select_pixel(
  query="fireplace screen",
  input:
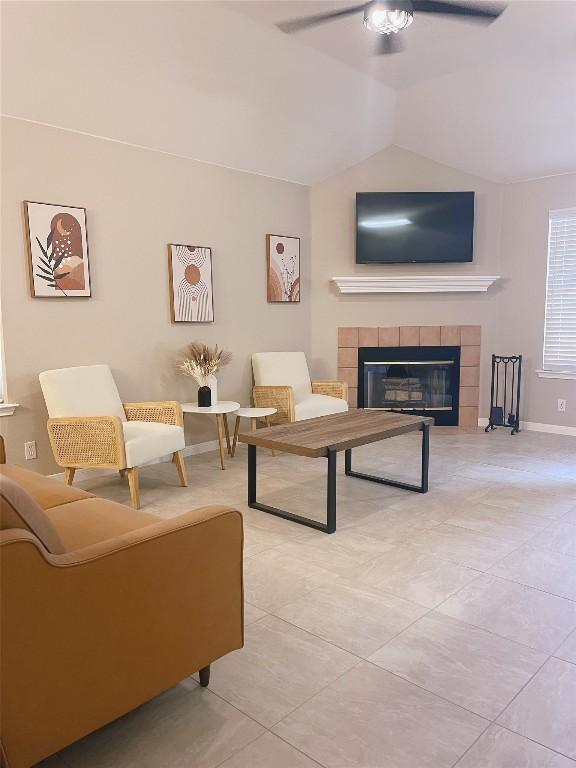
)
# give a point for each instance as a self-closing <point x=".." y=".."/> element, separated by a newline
<point x="409" y="385"/>
<point x="420" y="380"/>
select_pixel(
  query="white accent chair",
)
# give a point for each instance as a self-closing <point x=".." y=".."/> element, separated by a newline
<point x="282" y="381"/>
<point x="90" y="427"/>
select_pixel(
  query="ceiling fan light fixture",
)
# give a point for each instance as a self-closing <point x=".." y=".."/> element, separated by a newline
<point x="388" y="18"/>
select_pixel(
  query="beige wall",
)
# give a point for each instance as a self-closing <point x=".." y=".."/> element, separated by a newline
<point x="521" y="318"/>
<point x="332" y="220"/>
<point x="138" y="201"/>
<point x="511" y="231"/>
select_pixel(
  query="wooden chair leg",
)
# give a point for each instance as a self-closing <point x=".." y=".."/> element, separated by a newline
<point x="227" y="431"/>
<point x="179" y="461"/>
<point x="220" y="426"/>
<point x="69" y="473"/>
<point x="267" y="418"/>
<point x="122" y="472"/>
<point x="134" y="486"/>
<point x="236" y="431"/>
<point x="204" y="675"/>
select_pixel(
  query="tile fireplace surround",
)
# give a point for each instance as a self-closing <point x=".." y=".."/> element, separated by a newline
<point x="467" y="337"/>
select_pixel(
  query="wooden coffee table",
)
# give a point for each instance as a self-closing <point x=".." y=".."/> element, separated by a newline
<point x="324" y="437"/>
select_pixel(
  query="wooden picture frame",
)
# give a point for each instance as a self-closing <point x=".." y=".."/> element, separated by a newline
<point x="58" y="253"/>
<point x="190" y="283"/>
<point x="283" y="269"/>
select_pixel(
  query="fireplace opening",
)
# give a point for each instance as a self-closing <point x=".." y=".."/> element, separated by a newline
<point x="419" y="380"/>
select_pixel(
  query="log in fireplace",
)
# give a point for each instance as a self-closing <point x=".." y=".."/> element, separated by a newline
<point x="419" y="380"/>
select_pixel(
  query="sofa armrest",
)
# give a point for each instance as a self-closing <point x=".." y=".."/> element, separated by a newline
<point x="88" y="441"/>
<point x="337" y="389"/>
<point x="124" y="619"/>
<point x="279" y="397"/>
<point x="165" y="412"/>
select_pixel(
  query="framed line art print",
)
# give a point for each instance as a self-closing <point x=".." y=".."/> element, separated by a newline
<point x="283" y="265"/>
<point x="191" y="291"/>
<point x="58" y="258"/>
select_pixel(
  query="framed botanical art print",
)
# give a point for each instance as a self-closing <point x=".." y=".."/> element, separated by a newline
<point x="57" y="240"/>
<point x="283" y="262"/>
<point x="191" y="293"/>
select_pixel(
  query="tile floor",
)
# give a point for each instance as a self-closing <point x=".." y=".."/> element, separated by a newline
<point x="428" y="632"/>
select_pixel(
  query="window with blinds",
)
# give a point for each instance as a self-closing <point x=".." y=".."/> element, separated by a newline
<point x="560" y="325"/>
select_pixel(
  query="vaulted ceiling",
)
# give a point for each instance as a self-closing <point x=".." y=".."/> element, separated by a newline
<point x="218" y="82"/>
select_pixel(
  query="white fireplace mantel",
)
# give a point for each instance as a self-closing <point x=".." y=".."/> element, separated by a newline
<point x="415" y="283"/>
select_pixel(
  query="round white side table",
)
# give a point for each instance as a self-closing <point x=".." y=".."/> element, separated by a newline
<point x="221" y="411"/>
<point x="253" y="414"/>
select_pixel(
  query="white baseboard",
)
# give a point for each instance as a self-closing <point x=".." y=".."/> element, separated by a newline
<point x="193" y="450"/>
<point x="189" y="450"/>
<point x="534" y="426"/>
<point x="554" y="429"/>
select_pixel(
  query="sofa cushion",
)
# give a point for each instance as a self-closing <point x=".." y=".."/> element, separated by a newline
<point x="319" y="405"/>
<point x="87" y="390"/>
<point x="149" y="440"/>
<point x="19" y="510"/>
<point x="283" y="369"/>
<point x="86" y="522"/>
<point x="45" y="491"/>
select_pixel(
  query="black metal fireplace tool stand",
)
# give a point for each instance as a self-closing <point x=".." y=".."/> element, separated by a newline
<point x="505" y="392"/>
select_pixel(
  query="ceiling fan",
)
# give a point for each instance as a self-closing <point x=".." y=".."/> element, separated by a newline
<point x="388" y="17"/>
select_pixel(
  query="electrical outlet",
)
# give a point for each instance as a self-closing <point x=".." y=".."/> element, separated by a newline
<point x="30" y="450"/>
<point x="561" y="405"/>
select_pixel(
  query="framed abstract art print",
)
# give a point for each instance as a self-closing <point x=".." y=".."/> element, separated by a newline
<point x="58" y="259"/>
<point x="191" y="293"/>
<point x="283" y="263"/>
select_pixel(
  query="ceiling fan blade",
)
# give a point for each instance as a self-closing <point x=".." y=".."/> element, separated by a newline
<point x="388" y="44"/>
<point x="294" y="25"/>
<point x="486" y="12"/>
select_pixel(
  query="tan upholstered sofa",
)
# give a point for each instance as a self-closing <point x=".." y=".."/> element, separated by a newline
<point x="104" y="607"/>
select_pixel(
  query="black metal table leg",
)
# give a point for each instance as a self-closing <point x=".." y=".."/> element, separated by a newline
<point x="422" y="488"/>
<point x="251" y="475"/>
<point x="425" y="458"/>
<point x="328" y="527"/>
<point x="331" y="492"/>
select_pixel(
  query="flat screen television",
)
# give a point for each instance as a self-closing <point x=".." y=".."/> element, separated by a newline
<point x="414" y="227"/>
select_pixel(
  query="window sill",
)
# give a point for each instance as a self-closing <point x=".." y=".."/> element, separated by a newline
<point x="557" y="374"/>
<point x="7" y="409"/>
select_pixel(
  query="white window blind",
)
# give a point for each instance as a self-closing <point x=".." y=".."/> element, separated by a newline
<point x="560" y="325"/>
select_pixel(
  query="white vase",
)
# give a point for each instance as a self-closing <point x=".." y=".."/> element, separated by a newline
<point x="212" y="382"/>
